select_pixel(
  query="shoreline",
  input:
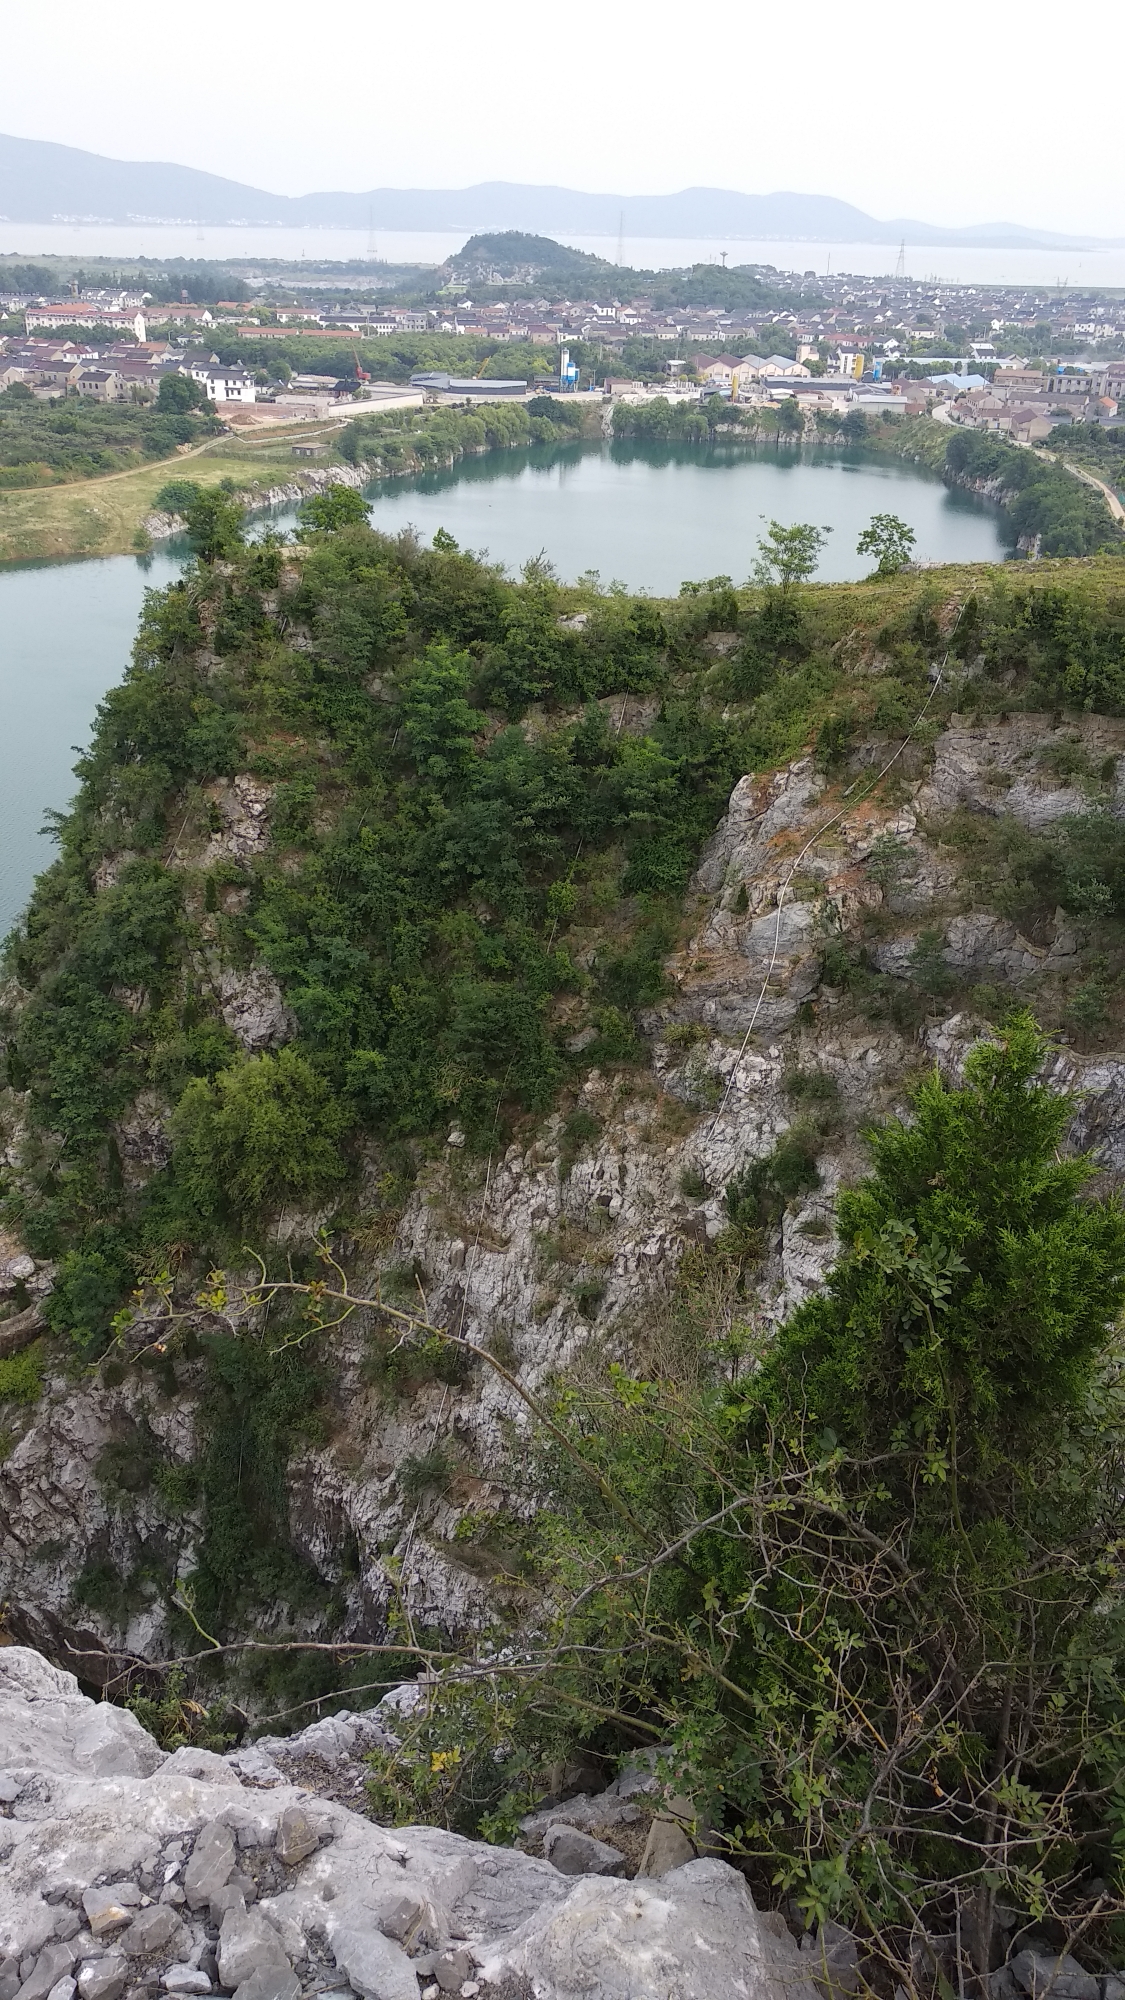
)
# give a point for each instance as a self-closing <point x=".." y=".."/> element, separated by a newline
<point x="115" y="515"/>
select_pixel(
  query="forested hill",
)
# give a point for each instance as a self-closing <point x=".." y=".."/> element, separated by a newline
<point x="372" y="840"/>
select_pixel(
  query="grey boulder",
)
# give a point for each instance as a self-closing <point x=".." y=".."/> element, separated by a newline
<point x="374" y="1965"/>
<point x="154" y="1929"/>
<point x="1062" y="1978"/>
<point x="247" y="1942"/>
<point x="573" y="1852"/>
<point x="269" y="1982"/>
<point x="695" y="1936"/>
<point x="404" y="1915"/>
<point x="52" y="1964"/>
<point x="50" y="1728"/>
<point x="103" y="1978"/>
<point x="667" y="1847"/>
<point x="297" y="1838"/>
<point x="211" y="1864"/>
<point x="109" y="1908"/>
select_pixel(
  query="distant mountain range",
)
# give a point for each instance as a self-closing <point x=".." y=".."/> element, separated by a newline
<point x="42" y="182"/>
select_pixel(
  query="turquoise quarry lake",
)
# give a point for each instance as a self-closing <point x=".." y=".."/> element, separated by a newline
<point x="648" y="515"/>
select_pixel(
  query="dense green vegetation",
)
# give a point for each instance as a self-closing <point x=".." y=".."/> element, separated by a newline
<point x="1043" y="500"/>
<point x="508" y="263"/>
<point x="690" y="421"/>
<point x="1100" y="449"/>
<point x="166" y="281"/>
<point x="481" y="802"/>
<point x="395" y="357"/>
<point x="43" y="443"/>
<point x="401" y="440"/>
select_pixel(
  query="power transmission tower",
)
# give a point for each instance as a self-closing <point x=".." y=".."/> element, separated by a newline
<point x="900" y="267"/>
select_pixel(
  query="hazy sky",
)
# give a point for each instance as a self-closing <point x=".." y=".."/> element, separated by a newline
<point x="949" y="117"/>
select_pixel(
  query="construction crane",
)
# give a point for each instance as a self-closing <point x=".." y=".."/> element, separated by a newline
<point x="361" y="374"/>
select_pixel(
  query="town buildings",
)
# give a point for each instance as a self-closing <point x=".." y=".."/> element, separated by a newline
<point x="118" y="373"/>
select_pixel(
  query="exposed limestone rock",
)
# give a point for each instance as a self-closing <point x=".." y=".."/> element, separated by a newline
<point x="254" y="1010"/>
<point x="369" y="1913"/>
<point x="695" y="1937"/>
<point x="575" y="1853"/>
<point x="241" y="806"/>
<point x="143" y="1140"/>
<point x="1006" y="765"/>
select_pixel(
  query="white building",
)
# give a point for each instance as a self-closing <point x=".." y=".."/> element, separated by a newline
<point x="224" y="385"/>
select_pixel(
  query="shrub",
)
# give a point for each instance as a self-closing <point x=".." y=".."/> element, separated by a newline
<point x="176" y="496"/>
<point x="327" y="512"/>
<point x="21" y="1375"/>
<point x="265" y="1131"/>
<point x="87" y="1292"/>
<point x="829" y="1583"/>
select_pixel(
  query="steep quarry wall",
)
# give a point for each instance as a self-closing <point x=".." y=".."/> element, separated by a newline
<point x="572" y="1238"/>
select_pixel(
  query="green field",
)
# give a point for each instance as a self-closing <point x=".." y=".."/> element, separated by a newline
<point x="101" y="517"/>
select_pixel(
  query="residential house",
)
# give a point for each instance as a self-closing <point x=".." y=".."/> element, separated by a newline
<point x="181" y="315"/>
<point x="59" y="373"/>
<point x="718" y="370"/>
<point x="1021" y="380"/>
<point x="1030" y="426"/>
<point x="780" y="364"/>
<point x="101" y="385"/>
<point x="223" y="385"/>
<point x="1070" y="381"/>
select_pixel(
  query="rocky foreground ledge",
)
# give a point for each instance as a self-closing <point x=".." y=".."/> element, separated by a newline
<point x="130" y="1874"/>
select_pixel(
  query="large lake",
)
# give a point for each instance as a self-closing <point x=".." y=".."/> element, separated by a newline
<point x="648" y="515"/>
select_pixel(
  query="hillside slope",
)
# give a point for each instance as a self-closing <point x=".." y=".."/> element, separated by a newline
<point x="546" y="952"/>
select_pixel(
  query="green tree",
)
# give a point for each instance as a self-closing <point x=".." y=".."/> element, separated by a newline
<point x="977" y="1287"/>
<point x="176" y="496"/>
<point x="214" y="524"/>
<point x="179" y="394"/>
<point x="337" y="507"/>
<point x="787" y="556"/>
<point x="437" y="717"/>
<point x="890" y="540"/>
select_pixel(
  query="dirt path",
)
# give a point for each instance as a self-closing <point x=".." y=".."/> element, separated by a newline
<point x="1091" y="479"/>
<point x="107" y="478"/>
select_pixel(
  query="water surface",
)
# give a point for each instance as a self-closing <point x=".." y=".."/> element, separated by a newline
<point x="654" y="515"/>
<point x="950" y="264"/>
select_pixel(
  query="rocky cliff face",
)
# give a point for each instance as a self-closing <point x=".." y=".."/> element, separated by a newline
<point x="575" y="1235"/>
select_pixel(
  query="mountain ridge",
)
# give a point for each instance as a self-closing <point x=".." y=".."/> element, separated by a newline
<point x="41" y="181"/>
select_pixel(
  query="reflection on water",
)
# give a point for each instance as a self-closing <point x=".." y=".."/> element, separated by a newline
<point x="614" y="508"/>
